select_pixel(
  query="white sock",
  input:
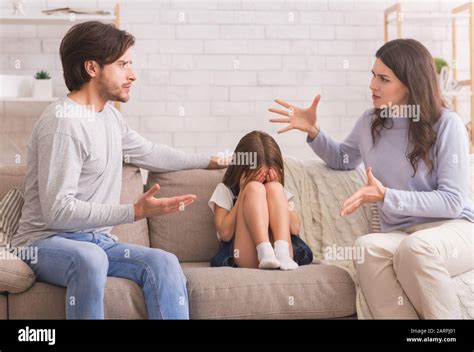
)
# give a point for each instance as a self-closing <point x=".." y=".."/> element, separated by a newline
<point x="282" y="252"/>
<point x="266" y="256"/>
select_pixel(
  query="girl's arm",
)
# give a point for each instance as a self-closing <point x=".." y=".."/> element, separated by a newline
<point x="226" y="221"/>
<point x="295" y="223"/>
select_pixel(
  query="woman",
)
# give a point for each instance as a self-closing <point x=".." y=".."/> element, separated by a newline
<point x="417" y="155"/>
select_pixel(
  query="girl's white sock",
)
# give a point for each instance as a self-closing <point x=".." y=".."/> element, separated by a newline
<point x="282" y="253"/>
<point x="266" y="256"/>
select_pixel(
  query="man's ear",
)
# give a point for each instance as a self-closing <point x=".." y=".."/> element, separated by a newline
<point x="91" y="67"/>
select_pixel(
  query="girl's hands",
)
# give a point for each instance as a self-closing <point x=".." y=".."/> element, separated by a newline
<point x="261" y="176"/>
<point x="272" y="176"/>
<point x="258" y="176"/>
<point x="303" y="119"/>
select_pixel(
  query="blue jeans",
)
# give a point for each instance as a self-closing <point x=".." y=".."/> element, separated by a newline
<point x="82" y="261"/>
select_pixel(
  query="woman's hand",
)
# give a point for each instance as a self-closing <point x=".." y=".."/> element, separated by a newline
<point x="374" y="191"/>
<point x="298" y="118"/>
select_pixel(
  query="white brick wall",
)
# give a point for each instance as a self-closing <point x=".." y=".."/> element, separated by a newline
<point x="209" y="69"/>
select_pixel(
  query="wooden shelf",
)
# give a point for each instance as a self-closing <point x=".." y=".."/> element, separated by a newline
<point x="425" y="16"/>
<point x="27" y="99"/>
<point x="55" y="19"/>
<point x="458" y="94"/>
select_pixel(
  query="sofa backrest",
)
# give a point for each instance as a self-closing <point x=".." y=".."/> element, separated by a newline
<point x="190" y="234"/>
<point x="11" y="176"/>
<point x="132" y="188"/>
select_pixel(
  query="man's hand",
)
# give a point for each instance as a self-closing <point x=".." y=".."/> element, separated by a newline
<point x="148" y="205"/>
<point x="374" y="191"/>
<point x="219" y="163"/>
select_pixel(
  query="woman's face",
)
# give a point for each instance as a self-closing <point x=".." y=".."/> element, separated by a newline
<point x="387" y="89"/>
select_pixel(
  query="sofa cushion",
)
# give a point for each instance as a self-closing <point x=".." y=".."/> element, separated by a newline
<point x="3" y="307"/>
<point x="15" y="275"/>
<point x="313" y="291"/>
<point x="10" y="213"/>
<point x="123" y="300"/>
<point x="132" y="190"/>
<point x="189" y="234"/>
<point x="11" y="176"/>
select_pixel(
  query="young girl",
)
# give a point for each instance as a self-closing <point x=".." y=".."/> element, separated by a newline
<point x="252" y="211"/>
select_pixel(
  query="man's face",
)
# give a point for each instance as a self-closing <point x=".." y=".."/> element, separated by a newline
<point x="115" y="79"/>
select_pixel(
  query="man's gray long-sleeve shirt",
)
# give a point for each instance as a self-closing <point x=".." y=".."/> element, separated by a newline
<point x="74" y="170"/>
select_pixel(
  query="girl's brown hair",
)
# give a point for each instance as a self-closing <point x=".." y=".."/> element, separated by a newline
<point x="259" y="146"/>
<point x="413" y="65"/>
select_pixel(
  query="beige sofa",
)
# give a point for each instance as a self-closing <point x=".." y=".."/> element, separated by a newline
<point x="313" y="291"/>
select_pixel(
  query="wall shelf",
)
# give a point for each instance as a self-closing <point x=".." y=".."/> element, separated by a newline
<point x="28" y="99"/>
<point x="54" y="19"/>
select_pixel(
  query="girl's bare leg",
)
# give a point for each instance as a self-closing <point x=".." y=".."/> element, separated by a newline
<point x="252" y="228"/>
<point x="279" y="219"/>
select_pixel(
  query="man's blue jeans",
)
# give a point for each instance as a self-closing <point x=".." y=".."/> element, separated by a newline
<point x="82" y="261"/>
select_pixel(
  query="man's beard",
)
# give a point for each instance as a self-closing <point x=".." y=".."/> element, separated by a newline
<point x="109" y="91"/>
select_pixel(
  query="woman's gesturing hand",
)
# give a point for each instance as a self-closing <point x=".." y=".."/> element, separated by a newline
<point x="303" y="119"/>
<point x="372" y="192"/>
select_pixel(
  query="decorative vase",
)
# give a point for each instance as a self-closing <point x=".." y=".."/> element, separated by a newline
<point x="43" y="88"/>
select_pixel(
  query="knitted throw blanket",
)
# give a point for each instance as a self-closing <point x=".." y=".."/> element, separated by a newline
<point x="318" y="195"/>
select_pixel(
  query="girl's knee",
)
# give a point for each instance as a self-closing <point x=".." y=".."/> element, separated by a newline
<point x="273" y="187"/>
<point x="255" y="187"/>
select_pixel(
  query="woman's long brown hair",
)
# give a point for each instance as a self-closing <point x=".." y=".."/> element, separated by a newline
<point x="260" y="147"/>
<point x="413" y="65"/>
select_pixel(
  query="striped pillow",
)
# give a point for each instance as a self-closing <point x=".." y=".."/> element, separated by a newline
<point x="10" y="213"/>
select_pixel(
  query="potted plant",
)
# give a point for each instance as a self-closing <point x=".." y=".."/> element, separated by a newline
<point x="42" y="85"/>
<point x="440" y="63"/>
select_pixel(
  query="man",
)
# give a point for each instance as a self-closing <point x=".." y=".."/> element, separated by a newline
<point x="73" y="184"/>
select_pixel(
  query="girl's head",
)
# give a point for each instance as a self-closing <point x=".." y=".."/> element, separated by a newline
<point x="404" y="77"/>
<point x="255" y="151"/>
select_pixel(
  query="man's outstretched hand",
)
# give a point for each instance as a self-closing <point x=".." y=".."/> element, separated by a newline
<point x="216" y="162"/>
<point x="148" y="205"/>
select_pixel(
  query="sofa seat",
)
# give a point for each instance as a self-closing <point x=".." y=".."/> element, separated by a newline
<point x="3" y="306"/>
<point x="45" y="301"/>
<point x="311" y="292"/>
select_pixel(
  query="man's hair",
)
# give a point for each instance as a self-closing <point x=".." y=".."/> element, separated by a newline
<point x="102" y="43"/>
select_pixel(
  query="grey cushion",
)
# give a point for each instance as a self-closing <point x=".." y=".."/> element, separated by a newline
<point x="190" y="234"/>
<point x="312" y="291"/>
<point x="123" y="300"/>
